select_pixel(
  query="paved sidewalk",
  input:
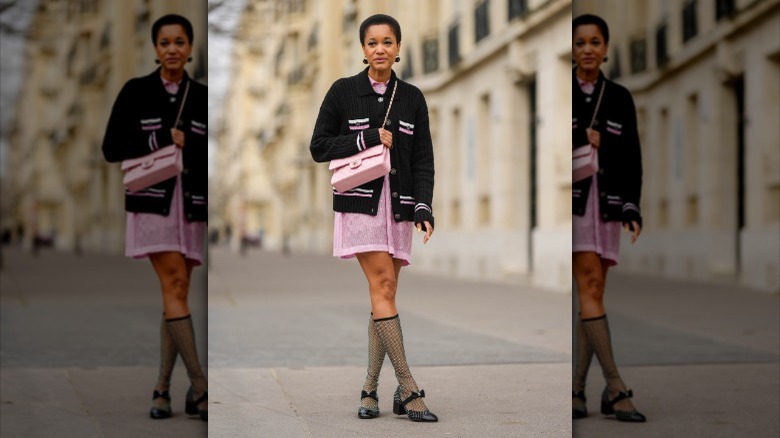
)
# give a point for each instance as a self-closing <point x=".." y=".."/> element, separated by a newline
<point x="79" y="347"/>
<point x="287" y="352"/>
<point x="702" y="360"/>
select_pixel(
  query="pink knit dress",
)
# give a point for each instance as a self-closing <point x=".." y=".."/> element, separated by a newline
<point x="149" y="233"/>
<point x="355" y="233"/>
<point x="589" y="232"/>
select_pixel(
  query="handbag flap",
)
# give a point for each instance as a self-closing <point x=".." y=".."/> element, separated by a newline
<point x="159" y="153"/>
<point x="362" y="155"/>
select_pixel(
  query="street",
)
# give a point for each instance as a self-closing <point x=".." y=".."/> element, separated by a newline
<point x="80" y="347"/>
<point x="702" y="359"/>
<point x="288" y="352"/>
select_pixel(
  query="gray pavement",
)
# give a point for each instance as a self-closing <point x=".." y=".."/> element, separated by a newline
<point x="287" y="352"/>
<point x="702" y="359"/>
<point x="79" y="347"/>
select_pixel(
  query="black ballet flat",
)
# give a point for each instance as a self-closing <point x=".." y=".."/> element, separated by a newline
<point x="191" y="406"/>
<point x="366" y="413"/>
<point x="159" y="413"/>
<point x="399" y="407"/>
<point x="579" y="413"/>
<point x="608" y="407"/>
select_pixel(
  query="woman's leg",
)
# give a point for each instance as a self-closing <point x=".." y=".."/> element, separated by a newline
<point x="590" y="277"/>
<point x="174" y="272"/>
<point x="382" y="273"/>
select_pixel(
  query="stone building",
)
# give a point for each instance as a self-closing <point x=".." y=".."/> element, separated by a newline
<point x="705" y="76"/>
<point x="496" y="78"/>
<point x="80" y="53"/>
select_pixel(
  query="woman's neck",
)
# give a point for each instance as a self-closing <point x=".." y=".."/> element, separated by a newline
<point x="588" y="75"/>
<point x="379" y="76"/>
<point x="172" y="75"/>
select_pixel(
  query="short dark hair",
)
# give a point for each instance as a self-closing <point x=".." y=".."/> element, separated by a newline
<point x="585" y="19"/>
<point x="380" y="19"/>
<point x="171" y="19"/>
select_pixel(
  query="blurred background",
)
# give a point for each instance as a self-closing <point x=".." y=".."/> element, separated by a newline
<point x="64" y="62"/>
<point x="705" y="76"/>
<point x="496" y="78"/>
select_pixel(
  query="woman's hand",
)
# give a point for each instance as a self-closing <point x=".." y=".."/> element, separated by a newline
<point x="386" y="137"/>
<point x="428" y="231"/>
<point x="178" y="137"/>
<point x="636" y="228"/>
<point x="594" y="137"/>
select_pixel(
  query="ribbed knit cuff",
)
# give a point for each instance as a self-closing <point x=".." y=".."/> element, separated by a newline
<point x="371" y="137"/>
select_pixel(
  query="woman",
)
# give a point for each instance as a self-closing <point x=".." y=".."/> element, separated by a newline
<point x="600" y="204"/>
<point x="372" y="220"/>
<point x="166" y="222"/>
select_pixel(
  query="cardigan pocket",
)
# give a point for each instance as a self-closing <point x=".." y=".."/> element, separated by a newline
<point x="358" y="124"/>
<point x="614" y="128"/>
<point x="406" y="127"/>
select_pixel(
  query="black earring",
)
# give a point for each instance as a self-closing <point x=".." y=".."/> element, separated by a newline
<point x="156" y="61"/>
<point x="365" y="61"/>
<point x="606" y="58"/>
<point x="397" y="59"/>
<point x="573" y="61"/>
<point x="189" y="59"/>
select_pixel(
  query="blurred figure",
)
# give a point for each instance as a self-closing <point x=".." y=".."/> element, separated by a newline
<point x="372" y="220"/>
<point x="601" y="203"/>
<point x="167" y="221"/>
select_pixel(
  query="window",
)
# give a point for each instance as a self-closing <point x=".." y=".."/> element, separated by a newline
<point x="481" y="20"/>
<point x="407" y="71"/>
<point x="430" y="55"/>
<point x="638" y="55"/>
<point x="453" y="47"/>
<point x="689" y="20"/>
<point x="724" y="8"/>
<point x="661" y="54"/>
<point x="517" y="8"/>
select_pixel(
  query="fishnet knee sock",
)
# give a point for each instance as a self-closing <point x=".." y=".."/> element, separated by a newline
<point x="389" y="331"/>
<point x="584" y="357"/>
<point x="582" y="365"/>
<point x="597" y="331"/>
<point x="376" y="356"/>
<point x="168" y="353"/>
<point x="184" y="337"/>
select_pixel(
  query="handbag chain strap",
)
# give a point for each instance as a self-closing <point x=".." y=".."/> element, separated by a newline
<point x="598" y="103"/>
<point x="390" y="105"/>
<point x="181" y="107"/>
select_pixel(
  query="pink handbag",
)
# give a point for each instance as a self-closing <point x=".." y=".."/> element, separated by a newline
<point x="162" y="164"/>
<point x="146" y="171"/>
<point x="584" y="162"/>
<point x="365" y="166"/>
<point x="585" y="159"/>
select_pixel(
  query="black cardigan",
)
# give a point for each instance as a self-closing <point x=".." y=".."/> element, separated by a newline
<point x="140" y="122"/>
<point x="620" y="160"/>
<point x="349" y="121"/>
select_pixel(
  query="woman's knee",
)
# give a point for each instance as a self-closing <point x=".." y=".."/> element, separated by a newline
<point x="385" y="286"/>
<point x="176" y="285"/>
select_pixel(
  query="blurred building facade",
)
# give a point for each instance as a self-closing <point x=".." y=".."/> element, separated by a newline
<point x="80" y="53"/>
<point x="705" y="75"/>
<point x="495" y="74"/>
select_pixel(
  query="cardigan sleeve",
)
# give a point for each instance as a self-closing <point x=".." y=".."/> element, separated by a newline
<point x="327" y="142"/>
<point x="632" y="159"/>
<point x="422" y="155"/>
<point x="124" y="138"/>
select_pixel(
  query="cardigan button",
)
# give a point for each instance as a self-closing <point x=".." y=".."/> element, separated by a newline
<point x="381" y="99"/>
<point x="189" y="216"/>
<point x="397" y="217"/>
<point x="186" y="194"/>
<point x="601" y="171"/>
<point x="603" y="194"/>
<point x="392" y="171"/>
<point x="605" y="216"/>
<point x="395" y="194"/>
<point x="185" y="171"/>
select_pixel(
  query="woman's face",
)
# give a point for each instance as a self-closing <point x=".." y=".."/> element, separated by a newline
<point x="173" y="47"/>
<point x="380" y="47"/>
<point x="588" y="47"/>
